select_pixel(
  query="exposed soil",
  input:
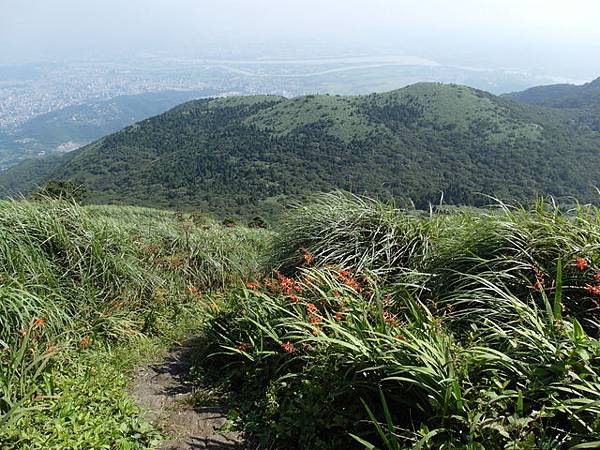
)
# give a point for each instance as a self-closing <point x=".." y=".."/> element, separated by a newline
<point x="164" y="392"/>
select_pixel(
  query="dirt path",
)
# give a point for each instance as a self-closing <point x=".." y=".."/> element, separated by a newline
<point x="164" y="394"/>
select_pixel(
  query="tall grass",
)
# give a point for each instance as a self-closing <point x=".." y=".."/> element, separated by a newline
<point x="454" y="328"/>
<point x="71" y="276"/>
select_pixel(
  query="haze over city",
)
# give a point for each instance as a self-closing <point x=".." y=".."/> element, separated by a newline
<point x="554" y="37"/>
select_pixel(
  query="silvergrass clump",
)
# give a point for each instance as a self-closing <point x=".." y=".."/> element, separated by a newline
<point x="392" y="329"/>
<point x="351" y="232"/>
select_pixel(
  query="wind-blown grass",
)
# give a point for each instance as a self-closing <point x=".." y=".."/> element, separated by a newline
<point x="457" y="329"/>
<point x="73" y="276"/>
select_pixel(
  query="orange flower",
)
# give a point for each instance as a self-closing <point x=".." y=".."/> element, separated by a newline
<point x="286" y="282"/>
<point x="339" y="316"/>
<point x="84" y="342"/>
<point x="38" y="323"/>
<point x="594" y="290"/>
<point x="308" y="258"/>
<point x="243" y="347"/>
<point x="581" y="263"/>
<point x="311" y="308"/>
<point x="294" y="298"/>
<point x="343" y="274"/>
<point x="597" y="276"/>
<point x="252" y="286"/>
<point x="315" y="320"/>
<point x="288" y="285"/>
<point x="352" y="283"/>
<point x="538" y="286"/>
<point x="288" y="347"/>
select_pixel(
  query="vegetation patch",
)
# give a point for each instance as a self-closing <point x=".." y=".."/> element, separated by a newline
<point x="392" y="329"/>
<point x="80" y="290"/>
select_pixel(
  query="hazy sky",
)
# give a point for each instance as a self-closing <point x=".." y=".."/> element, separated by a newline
<point x="558" y="37"/>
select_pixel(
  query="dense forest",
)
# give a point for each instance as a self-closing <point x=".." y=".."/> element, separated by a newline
<point x="252" y="155"/>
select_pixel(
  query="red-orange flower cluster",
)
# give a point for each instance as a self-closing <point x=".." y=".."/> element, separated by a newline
<point x="252" y="286"/>
<point x="38" y="323"/>
<point x="313" y="314"/>
<point x="308" y="258"/>
<point x="345" y="276"/>
<point x="581" y="263"/>
<point x="288" y="347"/>
<point x="289" y="286"/>
<point x="315" y="319"/>
<point x="539" y="279"/>
<point x="592" y="289"/>
<point x="84" y="342"/>
<point x="243" y="347"/>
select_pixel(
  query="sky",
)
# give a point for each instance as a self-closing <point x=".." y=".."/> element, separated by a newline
<point x="555" y="37"/>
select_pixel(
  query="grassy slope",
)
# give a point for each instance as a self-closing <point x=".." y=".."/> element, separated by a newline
<point x="249" y="154"/>
<point x="462" y="329"/>
<point x="561" y="95"/>
<point x="580" y="104"/>
<point x="85" y="293"/>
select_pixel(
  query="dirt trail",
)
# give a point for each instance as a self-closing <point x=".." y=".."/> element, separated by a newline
<point x="163" y="393"/>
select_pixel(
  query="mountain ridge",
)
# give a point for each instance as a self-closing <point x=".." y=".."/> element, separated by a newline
<point x="240" y="155"/>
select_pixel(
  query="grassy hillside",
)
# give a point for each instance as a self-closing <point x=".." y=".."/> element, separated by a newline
<point x="253" y="154"/>
<point x="390" y="329"/>
<point x="76" y="284"/>
<point x="561" y="95"/>
<point x="356" y="325"/>
<point x="581" y="103"/>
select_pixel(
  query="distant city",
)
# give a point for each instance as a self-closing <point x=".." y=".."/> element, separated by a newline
<point x="27" y="91"/>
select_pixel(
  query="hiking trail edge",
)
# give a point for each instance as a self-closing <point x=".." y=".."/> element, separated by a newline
<point x="164" y="393"/>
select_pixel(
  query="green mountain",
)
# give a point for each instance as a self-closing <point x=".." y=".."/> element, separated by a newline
<point x="561" y="95"/>
<point x="77" y="125"/>
<point x="581" y="103"/>
<point x="242" y="155"/>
